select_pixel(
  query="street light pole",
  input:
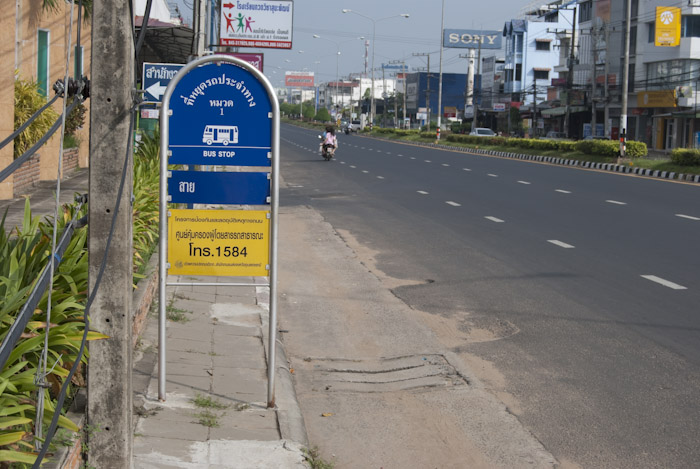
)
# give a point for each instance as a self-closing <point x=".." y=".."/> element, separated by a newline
<point x="439" y="116"/>
<point x="374" y="34"/>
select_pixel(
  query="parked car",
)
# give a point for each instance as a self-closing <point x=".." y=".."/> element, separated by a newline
<point x="354" y="126"/>
<point x="553" y="135"/>
<point x="482" y="132"/>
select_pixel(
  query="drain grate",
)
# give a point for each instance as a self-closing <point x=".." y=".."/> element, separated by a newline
<point x="415" y="372"/>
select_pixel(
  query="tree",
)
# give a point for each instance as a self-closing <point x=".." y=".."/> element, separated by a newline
<point x="308" y="110"/>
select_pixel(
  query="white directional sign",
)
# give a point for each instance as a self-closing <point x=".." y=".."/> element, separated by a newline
<point x="156" y="78"/>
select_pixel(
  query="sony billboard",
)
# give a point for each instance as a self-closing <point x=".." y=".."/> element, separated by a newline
<point x="471" y="39"/>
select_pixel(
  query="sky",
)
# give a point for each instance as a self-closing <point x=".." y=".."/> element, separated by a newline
<point x="396" y="38"/>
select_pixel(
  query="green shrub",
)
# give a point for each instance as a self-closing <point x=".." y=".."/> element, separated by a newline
<point x="636" y="149"/>
<point x="27" y="102"/>
<point x="685" y="157"/>
<point x="322" y="115"/>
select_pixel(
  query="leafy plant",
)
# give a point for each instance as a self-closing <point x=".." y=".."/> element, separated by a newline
<point x="75" y="119"/>
<point x="685" y="157"/>
<point x="23" y="255"/>
<point x="146" y="214"/>
<point x="27" y="102"/>
<point x="53" y="5"/>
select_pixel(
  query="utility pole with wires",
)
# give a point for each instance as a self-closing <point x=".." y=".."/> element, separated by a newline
<point x="625" y="80"/>
<point x="570" y="78"/>
<point x="427" y="89"/>
<point x="110" y="405"/>
<point x="478" y="74"/>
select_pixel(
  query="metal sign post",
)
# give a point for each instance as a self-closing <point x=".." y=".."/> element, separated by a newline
<point x="219" y="110"/>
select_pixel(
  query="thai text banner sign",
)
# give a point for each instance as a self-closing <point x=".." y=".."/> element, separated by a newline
<point x="471" y="38"/>
<point x="229" y="188"/>
<point x="299" y="79"/>
<point x="227" y="243"/>
<point x="662" y="98"/>
<point x="256" y="60"/>
<point x="668" y="26"/>
<point x="156" y="78"/>
<point x="257" y="23"/>
<point x="221" y="115"/>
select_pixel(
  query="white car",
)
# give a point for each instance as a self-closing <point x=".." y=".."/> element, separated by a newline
<point x="482" y="132"/>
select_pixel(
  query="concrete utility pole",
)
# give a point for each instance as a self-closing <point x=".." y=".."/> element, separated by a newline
<point x="439" y="116"/>
<point x="109" y="373"/>
<point x="427" y="89"/>
<point x="570" y="77"/>
<point x="625" y="81"/>
<point x="594" y="71"/>
<point x="478" y="73"/>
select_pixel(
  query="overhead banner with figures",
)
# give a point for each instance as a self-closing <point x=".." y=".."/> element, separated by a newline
<point x="668" y="27"/>
<point x="222" y="243"/>
<point x="257" y="23"/>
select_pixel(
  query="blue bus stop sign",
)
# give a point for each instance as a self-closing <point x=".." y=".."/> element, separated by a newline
<point x="221" y="115"/>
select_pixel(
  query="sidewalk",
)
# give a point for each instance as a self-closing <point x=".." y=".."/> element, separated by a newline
<point x="215" y="413"/>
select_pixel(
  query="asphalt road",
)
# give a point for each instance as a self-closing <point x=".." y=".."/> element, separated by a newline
<point x="578" y="289"/>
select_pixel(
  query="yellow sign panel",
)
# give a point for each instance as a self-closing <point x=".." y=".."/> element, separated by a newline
<point x="668" y="26"/>
<point x="663" y="98"/>
<point x="222" y="243"/>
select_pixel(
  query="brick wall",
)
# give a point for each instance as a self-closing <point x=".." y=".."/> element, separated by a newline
<point x="26" y="176"/>
<point x="70" y="160"/>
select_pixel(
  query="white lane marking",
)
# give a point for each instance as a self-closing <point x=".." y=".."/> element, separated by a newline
<point x="362" y="148"/>
<point x="342" y="162"/>
<point x="466" y="169"/>
<point x="380" y="177"/>
<point x="493" y="175"/>
<point x="494" y="219"/>
<point x="616" y="202"/>
<point x="445" y="164"/>
<point x="524" y="182"/>
<point x="562" y="191"/>
<point x="353" y="166"/>
<point x="687" y="217"/>
<point x="365" y="171"/>
<point x="454" y="204"/>
<point x="400" y="154"/>
<point x="423" y="192"/>
<point x="428" y="161"/>
<point x="664" y="282"/>
<point x="388" y="153"/>
<point x="561" y="244"/>
<point x="413" y="158"/>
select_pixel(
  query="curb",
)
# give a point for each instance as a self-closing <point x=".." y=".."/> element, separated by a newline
<point x="289" y="416"/>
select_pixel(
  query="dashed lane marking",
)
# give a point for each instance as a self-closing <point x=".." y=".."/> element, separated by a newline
<point x="616" y="202"/>
<point x="493" y="175"/>
<point x="561" y="244"/>
<point x="494" y="219"/>
<point x="423" y="192"/>
<point x="454" y="204"/>
<point x="524" y="182"/>
<point x="562" y="191"/>
<point x="687" y="217"/>
<point x="466" y="169"/>
<point x="664" y="282"/>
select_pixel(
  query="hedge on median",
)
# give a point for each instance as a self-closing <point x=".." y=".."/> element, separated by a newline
<point x="685" y="157"/>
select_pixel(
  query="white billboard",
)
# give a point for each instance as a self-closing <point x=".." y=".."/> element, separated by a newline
<point x="257" y="23"/>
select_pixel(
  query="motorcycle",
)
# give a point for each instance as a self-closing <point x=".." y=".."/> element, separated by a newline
<point x="327" y="151"/>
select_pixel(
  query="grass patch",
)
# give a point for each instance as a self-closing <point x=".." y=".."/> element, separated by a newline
<point x="208" y="419"/>
<point x="209" y="403"/>
<point x="176" y="314"/>
<point x="314" y="459"/>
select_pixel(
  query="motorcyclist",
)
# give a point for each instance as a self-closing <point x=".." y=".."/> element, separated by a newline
<point x="329" y="139"/>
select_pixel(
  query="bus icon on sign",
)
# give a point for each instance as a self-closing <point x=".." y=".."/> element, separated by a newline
<point x="220" y="134"/>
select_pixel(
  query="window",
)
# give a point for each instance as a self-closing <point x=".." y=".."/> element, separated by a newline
<point x="42" y="62"/>
<point x="518" y="72"/>
<point x="585" y="10"/>
<point x="541" y="74"/>
<point x="651" y="32"/>
<point x="519" y="43"/>
<point x="690" y="26"/>
<point x="633" y="39"/>
<point x="630" y="80"/>
<point x="541" y="45"/>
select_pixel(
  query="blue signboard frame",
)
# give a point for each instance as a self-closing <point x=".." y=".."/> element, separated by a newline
<point x="155" y="79"/>
<point x="270" y="184"/>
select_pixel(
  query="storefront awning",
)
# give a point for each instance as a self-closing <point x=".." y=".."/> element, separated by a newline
<point x="560" y="111"/>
